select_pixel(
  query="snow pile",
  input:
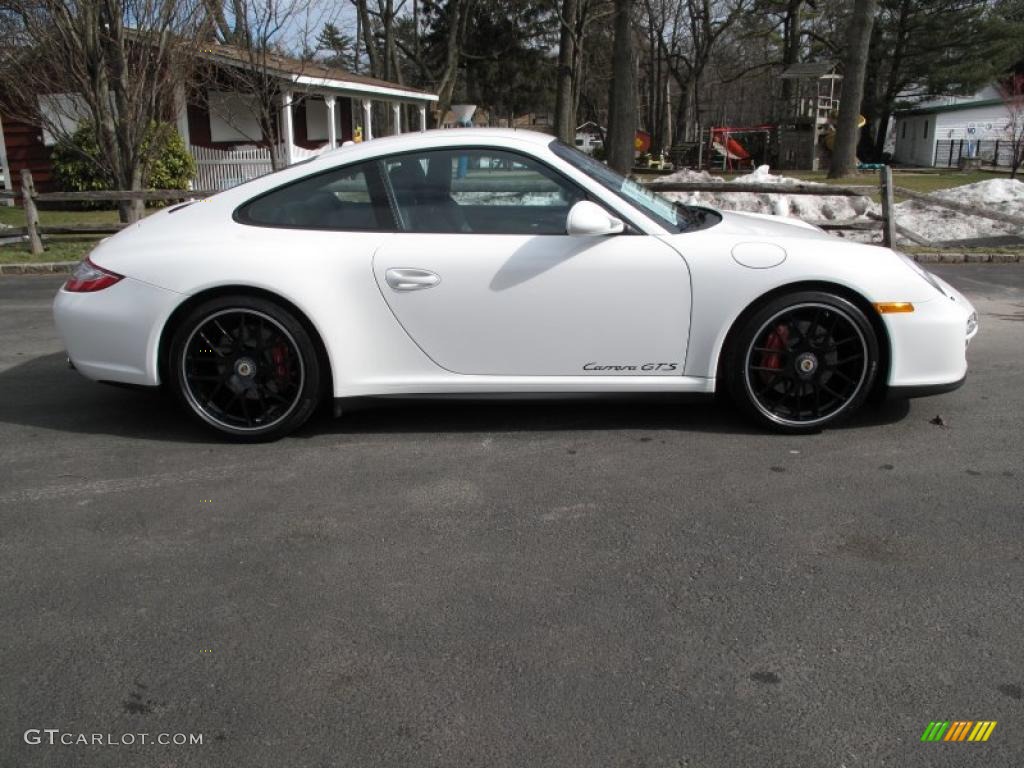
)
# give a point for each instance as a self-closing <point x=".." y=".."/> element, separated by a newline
<point x="931" y="222"/>
<point x="942" y="224"/>
<point x="812" y="208"/>
<point x="687" y="175"/>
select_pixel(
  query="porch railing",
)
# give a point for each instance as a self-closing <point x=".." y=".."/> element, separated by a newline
<point x="220" y="169"/>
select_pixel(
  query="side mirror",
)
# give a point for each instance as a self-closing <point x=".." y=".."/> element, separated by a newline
<point x="587" y="218"/>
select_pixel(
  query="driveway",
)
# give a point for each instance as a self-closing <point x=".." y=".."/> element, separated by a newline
<point x="590" y="584"/>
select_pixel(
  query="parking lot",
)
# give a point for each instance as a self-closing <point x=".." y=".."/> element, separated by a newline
<point x="627" y="583"/>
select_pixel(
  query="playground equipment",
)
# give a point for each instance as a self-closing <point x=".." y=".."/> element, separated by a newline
<point x="731" y="146"/>
<point x="809" y="115"/>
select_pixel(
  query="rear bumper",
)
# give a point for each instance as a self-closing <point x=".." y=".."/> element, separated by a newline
<point x="113" y="335"/>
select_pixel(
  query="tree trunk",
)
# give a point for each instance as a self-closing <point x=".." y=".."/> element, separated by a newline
<point x="791" y="49"/>
<point x="565" y="103"/>
<point x="622" y="94"/>
<point x="457" y="12"/>
<point x="855" y="61"/>
<point x="371" y="47"/>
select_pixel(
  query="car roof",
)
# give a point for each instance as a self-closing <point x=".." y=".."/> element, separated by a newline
<point x="438" y="137"/>
<point x="435" y="136"/>
<point x="367" y="150"/>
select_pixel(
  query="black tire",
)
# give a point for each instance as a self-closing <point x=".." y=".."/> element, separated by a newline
<point x="802" y="362"/>
<point x="246" y="367"/>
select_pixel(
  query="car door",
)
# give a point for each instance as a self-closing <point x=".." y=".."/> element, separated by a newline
<point x="484" y="278"/>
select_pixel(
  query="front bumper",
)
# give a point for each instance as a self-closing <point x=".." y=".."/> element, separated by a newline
<point x="114" y="334"/>
<point x="924" y="390"/>
<point x="929" y="345"/>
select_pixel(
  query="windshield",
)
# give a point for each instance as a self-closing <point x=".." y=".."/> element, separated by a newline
<point x="675" y="217"/>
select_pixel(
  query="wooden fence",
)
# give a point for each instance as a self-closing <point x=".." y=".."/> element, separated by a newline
<point x="886" y="220"/>
<point x="33" y="231"/>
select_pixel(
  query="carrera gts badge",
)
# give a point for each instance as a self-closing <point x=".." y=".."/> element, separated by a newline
<point x="642" y="367"/>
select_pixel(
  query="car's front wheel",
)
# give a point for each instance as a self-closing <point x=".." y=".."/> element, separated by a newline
<point x="803" y="362"/>
<point x="246" y="367"/>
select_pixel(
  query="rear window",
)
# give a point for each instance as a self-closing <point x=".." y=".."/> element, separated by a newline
<point x="349" y="198"/>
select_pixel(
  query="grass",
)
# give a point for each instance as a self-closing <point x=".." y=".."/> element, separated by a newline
<point x="926" y="183"/>
<point x="57" y="247"/>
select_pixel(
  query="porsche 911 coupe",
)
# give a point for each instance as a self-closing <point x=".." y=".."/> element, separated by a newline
<point x="495" y="262"/>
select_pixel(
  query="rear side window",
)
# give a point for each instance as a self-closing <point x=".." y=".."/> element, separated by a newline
<point x="349" y="198"/>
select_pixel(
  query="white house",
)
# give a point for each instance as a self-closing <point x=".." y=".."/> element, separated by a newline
<point x="941" y="132"/>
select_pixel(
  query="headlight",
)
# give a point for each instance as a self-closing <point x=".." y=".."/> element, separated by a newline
<point x="972" y="325"/>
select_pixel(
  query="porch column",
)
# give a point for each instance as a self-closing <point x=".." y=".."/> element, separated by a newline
<point x="396" y="113"/>
<point x="423" y="117"/>
<point x="287" y="129"/>
<point x="181" y="114"/>
<point x="332" y="129"/>
<point x="367" y="120"/>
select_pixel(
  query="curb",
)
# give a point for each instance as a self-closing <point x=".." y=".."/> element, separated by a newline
<point x="967" y="258"/>
<point x="39" y="268"/>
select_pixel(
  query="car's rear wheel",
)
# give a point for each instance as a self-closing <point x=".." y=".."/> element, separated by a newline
<point x="803" y="362"/>
<point x="246" y="367"/>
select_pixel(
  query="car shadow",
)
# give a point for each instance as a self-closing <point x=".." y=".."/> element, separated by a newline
<point x="44" y="393"/>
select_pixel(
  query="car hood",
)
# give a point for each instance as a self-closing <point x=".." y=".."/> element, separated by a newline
<point x="764" y="225"/>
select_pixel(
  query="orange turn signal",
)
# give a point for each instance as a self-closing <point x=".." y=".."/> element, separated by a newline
<point x="888" y="307"/>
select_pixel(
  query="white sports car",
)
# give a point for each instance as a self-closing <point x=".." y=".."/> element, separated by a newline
<point x="479" y="262"/>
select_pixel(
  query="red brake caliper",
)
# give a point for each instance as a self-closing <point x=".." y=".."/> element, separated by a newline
<point x="777" y="339"/>
<point x="279" y="355"/>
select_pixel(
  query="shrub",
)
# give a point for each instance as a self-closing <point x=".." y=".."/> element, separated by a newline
<point x="171" y="166"/>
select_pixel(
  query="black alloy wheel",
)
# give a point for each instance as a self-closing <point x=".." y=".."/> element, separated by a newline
<point x="246" y="367"/>
<point x="803" y="362"/>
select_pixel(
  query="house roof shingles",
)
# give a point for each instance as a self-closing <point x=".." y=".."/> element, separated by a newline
<point x="291" y="68"/>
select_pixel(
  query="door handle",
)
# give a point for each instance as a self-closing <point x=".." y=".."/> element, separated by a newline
<point x="407" y="279"/>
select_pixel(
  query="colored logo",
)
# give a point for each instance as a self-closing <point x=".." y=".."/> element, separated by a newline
<point x="958" y="730"/>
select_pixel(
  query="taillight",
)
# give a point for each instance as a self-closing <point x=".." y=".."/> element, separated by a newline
<point x="87" y="278"/>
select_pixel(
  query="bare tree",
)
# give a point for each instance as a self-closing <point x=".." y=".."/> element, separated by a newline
<point x="114" y="66"/>
<point x="251" y="61"/>
<point x="565" y="105"/>
<point x="575" y="19"/>
<point x="855" y="62"/>
<point x="693" y="29"/>
<point x="622" y="93"/>
<point x="1011" y="90"/>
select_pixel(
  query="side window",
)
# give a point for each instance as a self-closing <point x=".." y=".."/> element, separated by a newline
<point x="479" y="191"/>
<point x="349" y="198"/>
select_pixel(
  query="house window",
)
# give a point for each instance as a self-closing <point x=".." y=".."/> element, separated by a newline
<point x="925" y="129"/>
<point x="903" y="134"/>
<point x="316" y="120"/>
<point x="63" y="113"/>
<point x="234" y="117"/>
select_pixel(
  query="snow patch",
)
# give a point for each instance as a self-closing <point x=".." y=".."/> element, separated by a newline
<point x="931" y="222"/>
<point x="812" y="208"/>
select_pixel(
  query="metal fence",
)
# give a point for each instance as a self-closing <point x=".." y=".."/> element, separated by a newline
<point x="993" y="152"/>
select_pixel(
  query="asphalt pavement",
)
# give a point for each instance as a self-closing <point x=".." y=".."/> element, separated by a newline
<point x="541" y="584"/>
